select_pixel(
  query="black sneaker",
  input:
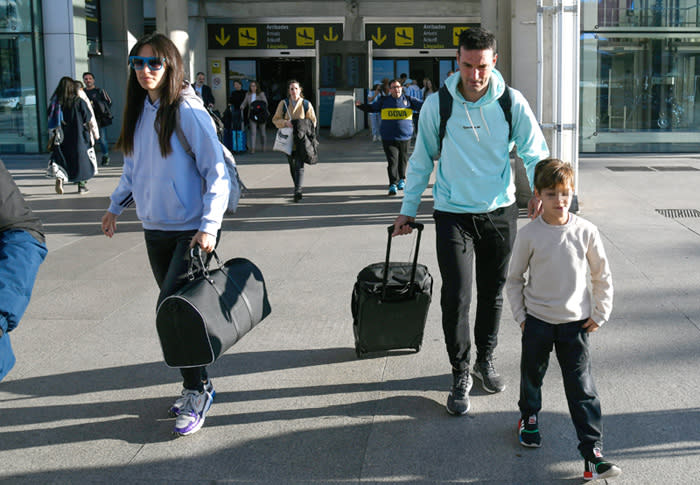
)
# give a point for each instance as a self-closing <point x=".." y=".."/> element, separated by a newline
<point x="105" y="160"/>
<point x="528" y="433"/>
<point x="595" y="467"/>
<point x="458" y="400"/>
<point x="490" y="380"/>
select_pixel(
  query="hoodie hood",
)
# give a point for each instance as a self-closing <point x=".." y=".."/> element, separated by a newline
<point x="497" y="87"/>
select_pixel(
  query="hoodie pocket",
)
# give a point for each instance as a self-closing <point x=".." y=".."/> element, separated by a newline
<point x="162" y="204"/>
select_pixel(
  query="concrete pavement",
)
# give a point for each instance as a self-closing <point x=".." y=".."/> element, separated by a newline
<point x="87" y="400"/>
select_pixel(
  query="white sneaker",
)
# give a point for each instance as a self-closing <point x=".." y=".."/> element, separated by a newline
<point x="193" y="412"/>
<point x="180" y="402"/>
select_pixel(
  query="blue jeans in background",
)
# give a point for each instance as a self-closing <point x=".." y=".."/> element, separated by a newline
<point x="374" y="122"/>
<point x="103" y="140"/>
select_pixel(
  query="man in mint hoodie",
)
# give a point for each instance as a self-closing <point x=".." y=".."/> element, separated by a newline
<point x="474" y="202"/>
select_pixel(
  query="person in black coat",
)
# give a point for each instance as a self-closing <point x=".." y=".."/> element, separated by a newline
<point x="75" y="154"/>
<point x="204" y="91"/>
<point x="22" y="250"/>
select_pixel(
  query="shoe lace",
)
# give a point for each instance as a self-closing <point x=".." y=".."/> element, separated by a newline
<point x="189" y="402"/>
<point x="460" y="385"/>
<point x="180" y="401"/>
<point x="487" y="367"/>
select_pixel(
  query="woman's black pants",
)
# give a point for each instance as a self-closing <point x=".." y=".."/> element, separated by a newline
<point x="168" y="254"/>
<point x="296" y="169"/>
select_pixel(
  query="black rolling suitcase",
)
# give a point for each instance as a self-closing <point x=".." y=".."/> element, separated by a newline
<point x="390" y="303"/>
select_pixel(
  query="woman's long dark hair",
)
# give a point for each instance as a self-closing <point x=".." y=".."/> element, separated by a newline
<point x="171" y="85"/>
<point x="66" y="93"/>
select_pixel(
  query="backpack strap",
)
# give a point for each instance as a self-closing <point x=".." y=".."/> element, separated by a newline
<point x="445" y="111"/>
<point x="305" y="103"/>
<point x="178" y="128"/>
<point x="506" y="102"/>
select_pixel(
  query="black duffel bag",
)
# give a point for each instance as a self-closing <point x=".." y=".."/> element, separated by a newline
<point x="212" y="312"/>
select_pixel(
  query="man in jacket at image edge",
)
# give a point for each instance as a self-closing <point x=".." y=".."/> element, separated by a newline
<point x="22" y="250"/>
<point x="474" y="203"/>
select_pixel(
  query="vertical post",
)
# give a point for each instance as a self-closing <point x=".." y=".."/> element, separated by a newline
<point x="172" y="20"/>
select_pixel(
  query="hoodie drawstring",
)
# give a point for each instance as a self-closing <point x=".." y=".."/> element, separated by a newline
<point x="476" y="219"/>
<point x="481" y="113"/>
<point x="466" y="110"/>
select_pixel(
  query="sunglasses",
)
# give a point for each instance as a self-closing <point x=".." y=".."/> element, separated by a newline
<point x="154" y="63"/>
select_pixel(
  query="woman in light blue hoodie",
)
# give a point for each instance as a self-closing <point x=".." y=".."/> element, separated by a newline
<point x="179" y="199"/>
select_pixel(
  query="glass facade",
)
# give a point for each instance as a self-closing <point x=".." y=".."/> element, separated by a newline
<point x="640" y="66"/>
<point x="19" y="89"/>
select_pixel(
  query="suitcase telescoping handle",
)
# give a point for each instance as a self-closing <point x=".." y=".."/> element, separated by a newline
<point x="390" y="230"/>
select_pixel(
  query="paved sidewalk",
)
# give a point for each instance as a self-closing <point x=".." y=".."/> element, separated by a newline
<point x="87" y="401"/>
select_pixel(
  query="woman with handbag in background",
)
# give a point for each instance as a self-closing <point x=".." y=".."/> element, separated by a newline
<point x="75" y="154"/>
<point x="179" y="199"/>
<point x="256" y="102"/>
<point x="295" y="107"/>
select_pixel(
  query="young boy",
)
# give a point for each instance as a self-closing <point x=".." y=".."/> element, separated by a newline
<point x="554" y="309"/>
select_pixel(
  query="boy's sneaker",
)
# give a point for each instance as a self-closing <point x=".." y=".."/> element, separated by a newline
<point x="528" y="433"/>
<point x="490" y="380"/>
<point x="595" y="467"/>
<point x="177" y="405"/>
<point x="193" y="411"/>
<point x="402" y="184"/>
<point x="458" y="400"/>
<point x="392" y="189"/>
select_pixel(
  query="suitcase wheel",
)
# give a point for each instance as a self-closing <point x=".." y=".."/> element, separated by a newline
<point x="417" y="348"/>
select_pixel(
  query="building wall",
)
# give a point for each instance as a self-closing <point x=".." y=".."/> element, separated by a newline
<point x="638" y="62"/>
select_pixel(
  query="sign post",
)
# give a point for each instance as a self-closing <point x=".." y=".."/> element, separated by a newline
<point x="346" y="67"/>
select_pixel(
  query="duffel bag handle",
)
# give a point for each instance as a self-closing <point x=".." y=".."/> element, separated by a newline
<point x="197" y="263"/>
<point x="415" y="225"/>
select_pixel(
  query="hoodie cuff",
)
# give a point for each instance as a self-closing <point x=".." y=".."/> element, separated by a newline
<point x="115" y="209"/>
<point x="209" y="227"/>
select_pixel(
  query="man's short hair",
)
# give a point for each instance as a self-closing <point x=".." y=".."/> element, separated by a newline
<point x="551" y="173"/>
<point x="477" y="39"/>
<point x="86" y="73"/>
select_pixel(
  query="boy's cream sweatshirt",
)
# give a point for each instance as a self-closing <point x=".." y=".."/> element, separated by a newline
<point x="557" y="260"/>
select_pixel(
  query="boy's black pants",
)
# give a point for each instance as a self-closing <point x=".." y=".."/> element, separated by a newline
<point x="396" y="152"/>
<point x="168" y="254"/>
<point x="466" y="241"/>
<point x="570" y="340"/>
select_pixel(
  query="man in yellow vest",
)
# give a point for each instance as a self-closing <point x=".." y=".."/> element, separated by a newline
<point x="396" y="130"/>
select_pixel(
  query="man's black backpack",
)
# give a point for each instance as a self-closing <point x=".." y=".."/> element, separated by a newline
<point x="504" y="101"/>
<point x="258" y="111"/>
<point x="101" y="106"/>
